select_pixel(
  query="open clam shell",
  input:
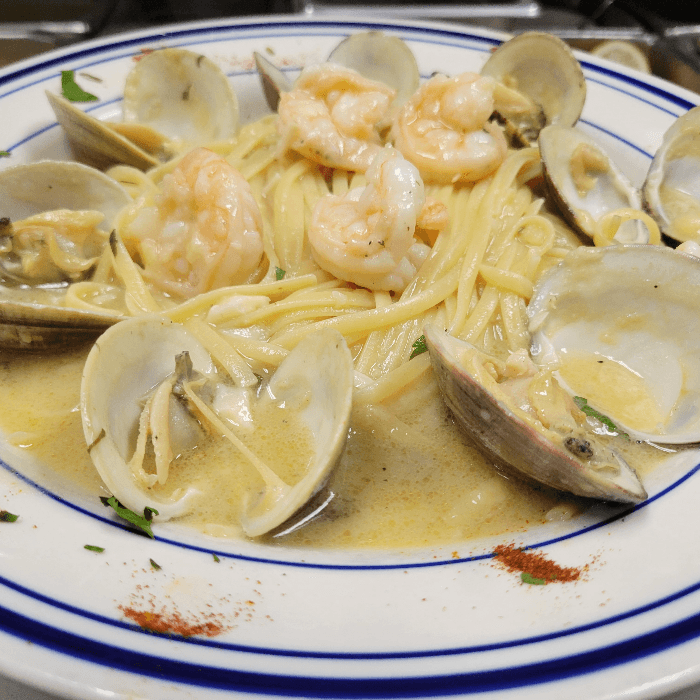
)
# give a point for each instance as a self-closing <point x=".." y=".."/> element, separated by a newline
<point x="542" y="68"/>
<point x="35" y="317"/>
<point x="95" y="142"/>
<point x="124" y="365"/>
<point x="374" y="55"/>
<point x="672" y="188"/>
<point x="173" y="99"/>
<point x="274" y="82"/>
<point x="586" y="184"/>
<point x="130" y="363"/>
<point x="381" y="57"/>
<point x="183" y="95"/>
<point x="317" y="376"/>
<point x="620" y="325"/>
<point x="47" y="184"/>
<point x="573" y="463"/>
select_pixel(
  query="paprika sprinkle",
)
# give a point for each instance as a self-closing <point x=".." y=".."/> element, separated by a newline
<point x="173" y="623"/>
<point x="535" y="568"/>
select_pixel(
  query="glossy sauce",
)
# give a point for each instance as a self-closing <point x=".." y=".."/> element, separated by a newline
<point x="408" y="476"/>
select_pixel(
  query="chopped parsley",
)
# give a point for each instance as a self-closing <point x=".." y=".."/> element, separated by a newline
<point x="141" y="521"/>
<point x="216" y="559"/>
<point x="156" y="566"/>
<point x="529" y="578"/>
<point x="5" y="154"/>
<point x="94" y="548"/>
<point x="7" y="517"/>
<point x="590" y="411"/>
<point x="72" y="91"/>
<point x="419" y="347"/>
<point x="279" y="273"/>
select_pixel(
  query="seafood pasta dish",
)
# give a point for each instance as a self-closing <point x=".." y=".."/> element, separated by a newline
<point x="393" y="312"/>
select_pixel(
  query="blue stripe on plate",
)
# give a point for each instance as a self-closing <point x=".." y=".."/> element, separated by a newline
<point x="366" y="656"/>
<point x="469" y="683"/>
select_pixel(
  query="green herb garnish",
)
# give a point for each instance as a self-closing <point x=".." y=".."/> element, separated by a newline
<point x="419" y="347"/>
<point x="216" y="559"/>
<point x="6" y="517"/>
<point x="529" y="578"/>
<point x="590" y="411"/>
<point x="72" y="91"/>
<point x="94" y="548"/>
<point x="279" y="273"/>
<point x="157" y="567"/>
<point x="140" y="521"/>
<point x="5" y="154"/>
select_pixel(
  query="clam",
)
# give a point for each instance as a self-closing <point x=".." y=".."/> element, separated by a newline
<point x="174" y="99"/>
<point x="374" y="55"/>
<point x="620" y="327"/>
<point x="381" y="57"/>
<point x="151" y="379"/>
<point x="493" y="411"/>
<point x="672" y="188"/>
<point x="586" y="184"/>
<point x="56" y="218"/>
<point x="274" y="81"/>
<point x="562" y="454"/>
<point x="544" y="84"/>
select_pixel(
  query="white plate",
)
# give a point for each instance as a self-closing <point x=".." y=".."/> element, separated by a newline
<point x="341" y="624"/>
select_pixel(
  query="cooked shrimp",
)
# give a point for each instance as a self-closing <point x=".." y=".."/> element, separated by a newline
<point x="366" y="236"/>
<point x="444" y="129"/>
<point x="331" y="116"/>
<point x="202" y="231"/>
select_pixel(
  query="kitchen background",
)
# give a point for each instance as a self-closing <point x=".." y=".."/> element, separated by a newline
<point x="665" y="34"/>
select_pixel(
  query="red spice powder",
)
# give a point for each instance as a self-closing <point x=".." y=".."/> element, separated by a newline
<point x="535" y="565"/>
<point x="173" y="623"/>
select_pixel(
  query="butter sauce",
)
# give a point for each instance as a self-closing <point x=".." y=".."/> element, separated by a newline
<point x="408" y="476"/>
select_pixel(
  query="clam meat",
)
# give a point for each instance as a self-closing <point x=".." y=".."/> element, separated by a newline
<point x="587" y="186"/>
<point x="55" y="221"/>
<point x="541" y="83"/>
<point x="620" y="328"/>
<point x="525" y="422"/>
<point x="151" y="391"/>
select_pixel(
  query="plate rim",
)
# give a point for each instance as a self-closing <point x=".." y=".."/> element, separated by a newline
<point x="174" y="31"/>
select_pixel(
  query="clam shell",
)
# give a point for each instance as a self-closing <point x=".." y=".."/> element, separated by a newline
<point x="47" y="185"/>
<point x="511" y="442"/>
<point x="671" y="190"/>
<point x="182" y="95"/>
<point x="380" y="57"/>
<point x="611" y="189"/>
<point x="543" y="68"/>
<point x="633" y="307"/>
<point x="124" y="365"/>
<point x="131" y="359"/>
<point x="320" y="368"/>
<point x="35" y="319"/>
<point x="274" y="82"/>
<point x="94" y="142"/>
